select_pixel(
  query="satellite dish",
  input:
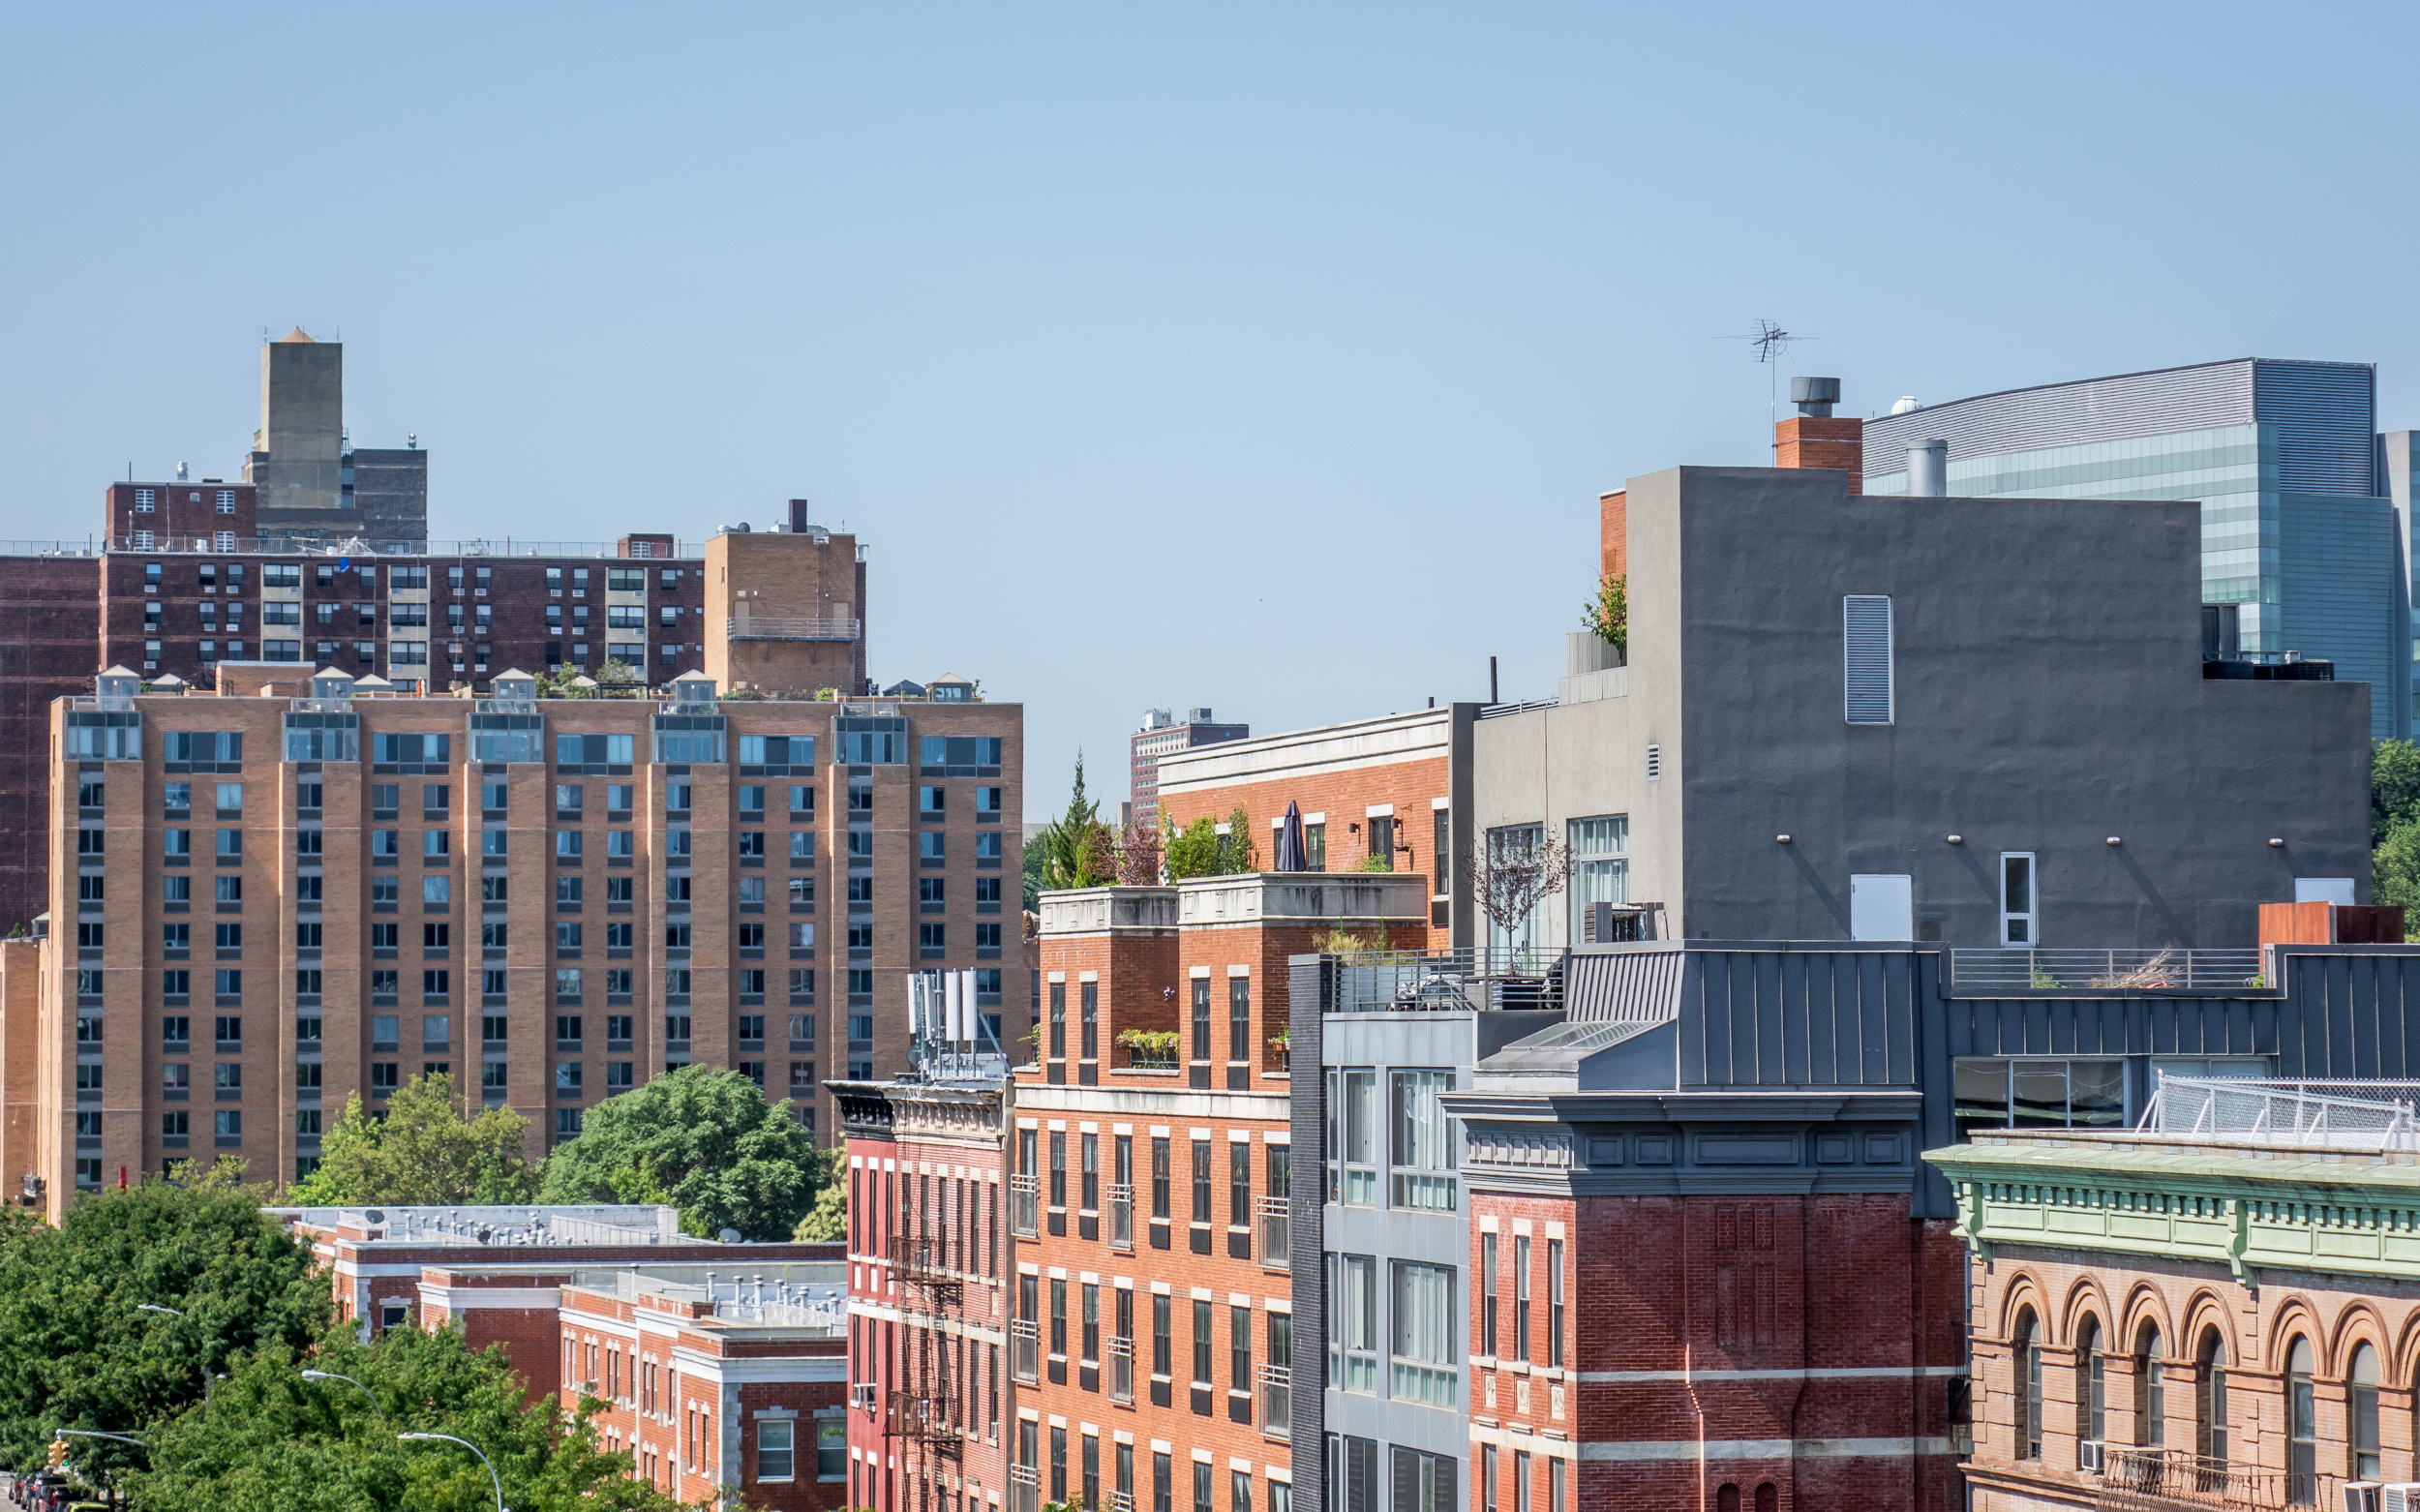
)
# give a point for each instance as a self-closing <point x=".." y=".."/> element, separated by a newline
<point x="374" y="1215"/>
<point x="731" y="1236"/>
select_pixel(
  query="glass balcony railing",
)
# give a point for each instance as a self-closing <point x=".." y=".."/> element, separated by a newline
<point x="1121" y="1216"/>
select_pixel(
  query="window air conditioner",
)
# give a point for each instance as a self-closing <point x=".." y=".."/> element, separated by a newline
<point x="2402" y="1496"/>
<point x="861" y="1397"/>
<point x="2362" y="1495"/>
<point x="2089" y="1456"/>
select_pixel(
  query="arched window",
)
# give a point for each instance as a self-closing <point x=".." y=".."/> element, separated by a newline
<point x="2091" y="1395"/>
<point x="2025" y="1353"/>
<point x="2364" y="1380"/>
<point x="1726" y="1498"/>
<point x="2151" y="1389"/>
<point x="2210" y="1399"/>
<point x="2302" y="1427"/>
<point x="1767" y="1497"/>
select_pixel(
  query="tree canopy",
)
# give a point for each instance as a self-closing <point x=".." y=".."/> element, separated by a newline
<point x="271" y="1442"/>
<point x="421" y="1153"/>
<point x="702" y="1138"/>
<point x="1077" y="849"/>
<point x="76" y="1351"/>
<point x="2394" y="787"/>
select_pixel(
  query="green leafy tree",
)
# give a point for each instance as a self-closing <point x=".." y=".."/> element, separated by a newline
<point x="2395" y="875"/>
<point x="1077" y="849"/>
<point x="828" y="1220"/>
<point x="1193" y="851"/>
<point x="702" y="1138"/>
<point x="2394" y="788"/>
<point x="76" y="1351"/>
<point x="1037" y="859"/>
<point x="1238" y="854"/>
<point x="1608" y="614"/>
<point x="274" y="1442"/>
<point x="421" y="1153"/>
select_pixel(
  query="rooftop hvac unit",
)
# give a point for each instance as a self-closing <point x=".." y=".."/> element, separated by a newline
<point x="2090" y="1456"/>
<point x="2402" y="1496"/>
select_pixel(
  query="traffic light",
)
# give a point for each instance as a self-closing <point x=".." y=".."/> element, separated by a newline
<point x="58" y="1453"/>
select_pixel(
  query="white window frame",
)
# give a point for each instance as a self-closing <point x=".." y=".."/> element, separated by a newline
<point x="2027" y="921"/>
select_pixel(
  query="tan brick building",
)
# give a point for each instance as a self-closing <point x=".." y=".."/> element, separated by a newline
<point x="267" y="897"/>
<point x="2167" y="1317"/>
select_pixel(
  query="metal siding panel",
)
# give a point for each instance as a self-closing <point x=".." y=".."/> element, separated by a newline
<point x="1810" y="1049"/>
<point x="2121" y="407"/>
<point x="2326" y="416"/>
<point x="1771" y="1065"/>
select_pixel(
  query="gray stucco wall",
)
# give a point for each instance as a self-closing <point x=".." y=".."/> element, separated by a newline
<point x="2049" y="695"/>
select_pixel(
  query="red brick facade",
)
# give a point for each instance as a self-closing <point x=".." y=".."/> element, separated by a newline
<point x="1613" y="532"/>
<point x="1823" y="441"/>
<point x="1809" y="1342"/>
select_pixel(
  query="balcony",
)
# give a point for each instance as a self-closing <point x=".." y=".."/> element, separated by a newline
<point x="924" y="1263"/>
<point x="1121" y="1369"/>
<point x="1473" y="978"/>
<point x="922" y="1419"/>
<point x="1277" y="1226"/>
<point x="2171" y="1480"/>
<point x="1277" y="1400"/>
<point x="1025" y="1350"/>
<point x="2211" y="973"/>
<point x="1121" y="1216"/>
<point x="787" y="627"/>
<point x="1024" y="1206"/>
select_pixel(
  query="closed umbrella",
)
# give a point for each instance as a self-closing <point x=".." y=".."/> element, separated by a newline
<point x="1290" y="844"/>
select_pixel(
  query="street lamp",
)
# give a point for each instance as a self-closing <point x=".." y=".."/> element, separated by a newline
<point x="206" y="1377"/>
<point x="474" y="1449"/>
<point x="347" y="1380"/>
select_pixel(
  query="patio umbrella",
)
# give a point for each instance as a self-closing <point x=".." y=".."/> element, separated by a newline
<point x="1289" y="846"/>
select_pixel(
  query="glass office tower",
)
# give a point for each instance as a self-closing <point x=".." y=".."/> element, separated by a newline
<point x="2298" y="527"/>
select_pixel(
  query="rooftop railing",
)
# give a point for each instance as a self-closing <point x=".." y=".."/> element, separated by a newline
<point x="2323" y="1115"/>
<point x="286" y="546"/>
<point x="2171" y="1480"/>
<point x="2214" y="972"/>
<point x="1472" y="979"/>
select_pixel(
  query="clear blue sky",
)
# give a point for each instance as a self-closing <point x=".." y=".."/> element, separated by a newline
<point x="1263" y="357"/>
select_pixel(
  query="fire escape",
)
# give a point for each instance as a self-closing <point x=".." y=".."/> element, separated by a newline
<point x="923" y="1407"/>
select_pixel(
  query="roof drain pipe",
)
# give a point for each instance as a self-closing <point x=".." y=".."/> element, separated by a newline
<point x="1688" y="1365"/>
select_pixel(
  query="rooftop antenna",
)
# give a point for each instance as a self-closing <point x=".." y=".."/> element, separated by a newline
<point x="1771" y="341"/>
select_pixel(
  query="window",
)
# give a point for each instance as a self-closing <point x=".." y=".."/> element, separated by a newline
<point x="831" y="1448"/>
<point x="1866" y="658"/>
<point x="2151" y="1390"/>
<point x="1425" y="1482"/>
<point x="1202" y="1344"/>
<point x="1160" y="1178"/>
<point x="2026" y="1353"/>
<point x="2364" y="1403"/>
<point x="2302" y="1427"/>
<point x="2039" y="1094"/>
<point x="1600" y="866"/>
<point x="2210" y="1399"/>
<point x="1353" y="1322"/>
<point x="1352" y="1136"/>
<point x="1422" y="1332"/>
<point x="1423" y="1143"/>
<point x="1512" y="844"/>
<point x="1520" y="1296"/>
<point x="2092" y="1401"/>
<point x="2017" y="899"/>
<point x="774" y="1450"/>
<point x="1555" y="1303"/>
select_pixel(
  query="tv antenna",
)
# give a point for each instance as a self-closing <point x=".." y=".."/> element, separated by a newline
<point x="1770" y="342"/>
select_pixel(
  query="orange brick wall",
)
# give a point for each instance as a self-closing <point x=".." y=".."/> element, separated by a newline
<point x="1344" y="795"/>
<point x="1612" y="526"/>
<point x="1823" y="441"/>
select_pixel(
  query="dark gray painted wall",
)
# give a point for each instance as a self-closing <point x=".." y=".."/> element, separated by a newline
<point x="2048" y="696"/>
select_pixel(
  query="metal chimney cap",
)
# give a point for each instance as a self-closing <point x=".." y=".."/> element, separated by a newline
<point x="1815" y="395"/>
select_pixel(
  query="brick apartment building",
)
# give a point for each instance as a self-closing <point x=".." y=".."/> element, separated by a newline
<point x="1153" y="1177"/>
<point x="652" y="882"/>
<point x="1162" y="734"/>
<point x="928" y="1288"/>
<point x="179" y="580"/>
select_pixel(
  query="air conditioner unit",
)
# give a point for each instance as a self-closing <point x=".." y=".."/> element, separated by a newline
<point x="2089" y="1456"/>
<point x="2402" y="1496"/>
<point x="2362" y="1495"/>
<point x="861" y="1397"/>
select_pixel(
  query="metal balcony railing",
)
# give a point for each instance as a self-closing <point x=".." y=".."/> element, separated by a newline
<point x="1476" y="978"/>
<point x="1121" y="1501"/>
<point x="1025" y="1488"/>
<point x="789" y="627"/>
<point x="1277" y="1227"/>
<point x="1121" y="1216"/>
<point x="2217" y="973"/>
<point x="1277" y="1399"/>
<point x="1121" y="1369"/>
<point x="923" y="1261"/>
<point x="922" y="1419"/>
<point x="1025" y="1206"/>
<point x="1025" y="1350"/>
<point x="2171" y="1480"/>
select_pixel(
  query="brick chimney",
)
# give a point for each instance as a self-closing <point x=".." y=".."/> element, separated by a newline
<point x="1613" y="523"/>
<point x="1816" y="438"/>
